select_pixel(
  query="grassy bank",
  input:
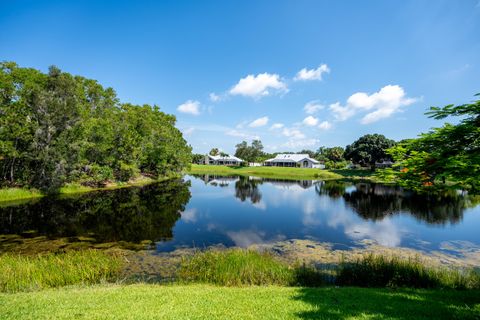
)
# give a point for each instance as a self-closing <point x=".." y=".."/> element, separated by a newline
<point x="142" y="301"/>
<point x="14" y="194"/>
<point x="26" y="273"/>
<point x="282" y="173"/>
<point x="239" y="267"/>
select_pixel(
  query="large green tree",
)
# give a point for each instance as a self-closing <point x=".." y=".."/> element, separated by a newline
<point x="450" y="153"/>
<point x="57" y="128"/>
<point x="369" y="149"/>
<point x="249" y="153"/>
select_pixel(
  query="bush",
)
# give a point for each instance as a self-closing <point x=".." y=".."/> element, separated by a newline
<point x="126" y="171"/>
<point x="95" y="175"/>
<point x="380" y="271"/>
<point x="26" y="273"/>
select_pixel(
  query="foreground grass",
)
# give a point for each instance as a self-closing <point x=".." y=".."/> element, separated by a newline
<point x="25" y="273"/>
<point x="282" y="173"/>
<point x="143" y="301"/>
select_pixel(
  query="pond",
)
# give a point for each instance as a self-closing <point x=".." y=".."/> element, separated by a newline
<point x="208" y="210"/>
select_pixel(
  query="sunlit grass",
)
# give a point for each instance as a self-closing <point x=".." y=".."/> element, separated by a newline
<point x="12" y="194"/>
<point x="266" y="172"/>
<point x="234" y="267"/>
<point x="25" y="273"/>
<point x="142" y="301"/>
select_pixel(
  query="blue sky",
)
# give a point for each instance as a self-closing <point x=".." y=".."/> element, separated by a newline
<point x="296" y="74"/>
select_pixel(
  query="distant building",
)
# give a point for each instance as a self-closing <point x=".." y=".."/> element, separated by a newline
<point x="223" y="160"/>
<point x="384" y="164"/>
<point x="293" y="160"/>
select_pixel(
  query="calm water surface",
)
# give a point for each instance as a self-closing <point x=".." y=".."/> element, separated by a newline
<point x="240" y="211"/>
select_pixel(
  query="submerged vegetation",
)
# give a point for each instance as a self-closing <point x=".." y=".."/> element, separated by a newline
<point x="57" y="128"/>
<point x="26" y="273"/>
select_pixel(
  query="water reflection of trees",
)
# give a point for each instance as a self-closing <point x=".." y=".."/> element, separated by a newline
<point x="246" y="188"/>
<point x="130" y="214"/>
<point x="376" y="201"/>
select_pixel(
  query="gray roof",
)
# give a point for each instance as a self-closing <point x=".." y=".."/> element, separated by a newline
<point x="291" y="158"/>
<point x="225" y="158"/>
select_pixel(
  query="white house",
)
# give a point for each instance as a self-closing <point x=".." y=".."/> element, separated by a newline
<point x="293" y="160"/>
<point x="225" y="160"/>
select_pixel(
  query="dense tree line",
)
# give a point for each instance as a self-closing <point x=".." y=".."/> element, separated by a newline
<point x="448" y="155"/>
<point x="57" y="128"/>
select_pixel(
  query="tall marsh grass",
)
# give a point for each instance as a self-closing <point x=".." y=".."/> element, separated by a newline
<point x="234" y="267"/>
<point x="381" y="271"/>
<point x="27" y="273"/>
<point x="238" y="267"/>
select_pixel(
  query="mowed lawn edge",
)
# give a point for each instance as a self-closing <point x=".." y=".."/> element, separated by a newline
<point x="283" y="173"/>
<point x="148" y="301"/>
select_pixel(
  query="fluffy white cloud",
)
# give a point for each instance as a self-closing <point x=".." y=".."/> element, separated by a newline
<point x="190" y="107"/>
<point x="310" y="121"/>
<point x="243" y="135"/>
<point x="325" y="125"/>
<point x="313" y="107"/>
<point x="293" y="133"/>
<point x="341" y="113"/>
<point x="276" y="126"/>
<point x="260" y="122"/>
<point x="312" y="74"/>
<point x="382" y="104"/>
<point x="214" y="97"/>
<point x="260" y="85"/>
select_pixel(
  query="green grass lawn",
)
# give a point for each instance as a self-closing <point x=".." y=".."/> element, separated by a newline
<point x="143" y="301"/>
<point x="282" y="173"/>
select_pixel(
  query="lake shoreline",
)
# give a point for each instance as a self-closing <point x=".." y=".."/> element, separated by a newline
<point x="287" y="173"/>
<point x="21" y="194"/>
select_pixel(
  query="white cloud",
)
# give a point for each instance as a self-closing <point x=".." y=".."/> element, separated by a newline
<point x="313" y="107"/>
<point x="325" y="125"/>
<point x="190" y="107"/>
<point x="382" y="104"/>
<point x="310" y="121"/>
<point x="243" y="135"/>
<point x="341" y="113"/>
<point x="260" y="122"/>
<point x="312" y="74"/>
<point x="189" y="215"/>
<point x="260" y="85"/>
<point x="214" y="97"/>
<point x="276" y="126"/>
<point x="293" y="133"/>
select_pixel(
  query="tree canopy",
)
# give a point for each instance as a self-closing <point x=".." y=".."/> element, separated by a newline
<point x="57" y="128"/>
<point x="450" y="153"/>
<point x="369" y="149"/>
<point x="249" y="153"/>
